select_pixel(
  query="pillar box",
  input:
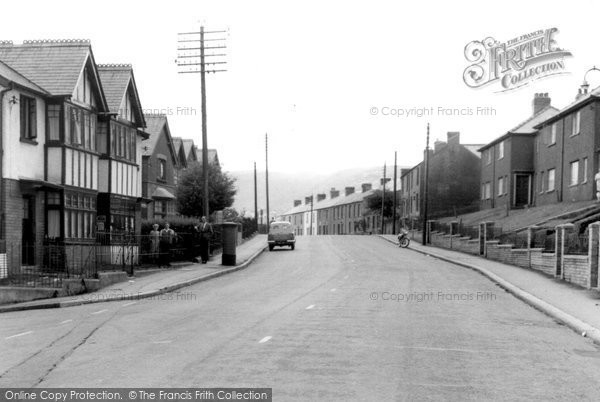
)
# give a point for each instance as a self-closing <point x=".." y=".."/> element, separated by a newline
<point x="229" y="238"/>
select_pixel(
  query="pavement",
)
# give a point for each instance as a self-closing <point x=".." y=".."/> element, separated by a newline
<point x="577" y="308"/>
<point x="154" y="282"/>
<point x="340" y="318"/>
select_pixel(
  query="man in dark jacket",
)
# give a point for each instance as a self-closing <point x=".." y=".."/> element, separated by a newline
<point x="206" y="231"/>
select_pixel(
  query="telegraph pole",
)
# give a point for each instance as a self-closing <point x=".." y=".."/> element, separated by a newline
<point x="426" y="189"/>
<point x="395" y="198"/>
<point x="255" y="198"/>
<point x="312" y="198"/>
<point x="267" y="177"/>
<point x="191" y="56"/>
<point x="383" y="198"/>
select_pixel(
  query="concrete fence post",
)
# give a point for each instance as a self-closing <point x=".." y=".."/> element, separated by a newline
<point x="560" y="247"/>
<point x="428" y="231"/>
<point x="593" y="254"/>
<point x="530" y="242"/>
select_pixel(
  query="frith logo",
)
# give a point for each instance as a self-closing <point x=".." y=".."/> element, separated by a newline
<point x="516" y="62"/>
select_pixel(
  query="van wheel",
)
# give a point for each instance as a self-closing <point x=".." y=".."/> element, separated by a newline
<point x="271" y="248"/>
<point x="293" y="246"/>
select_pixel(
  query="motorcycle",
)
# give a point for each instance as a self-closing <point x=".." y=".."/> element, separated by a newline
<point x="403" y="240"/>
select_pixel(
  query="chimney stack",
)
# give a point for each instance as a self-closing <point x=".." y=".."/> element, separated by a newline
<point x="541" y="101"/>
<point x="333" y="193"/>
<point x="348" y="190"/>
<point x="366" y="187"/>
<point x="297" y="202"/>
<point x="307" y="200"/>
<point x="453" y="137"/>
<point x="321" y="197"/>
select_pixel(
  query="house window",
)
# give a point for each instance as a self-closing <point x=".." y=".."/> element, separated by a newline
<point x="488" y="190"/>
<point x="551" y="174"/>
<point x="28" y="118"/>
<point x="501" y="150"/>
<point x="162" y="169"/>
<point x="585" y="169"/>
<point x="574" y="173"/>
<point x="576" y="123"/>
<point x="500" y="186"/>
<point x="80" y="213"/>
<point x="541" y="181"/>
<point x="489" y="156"/>
<point x="553" y="134"/>
<point x="54" y="122"/>
<point x="75" y="126"/>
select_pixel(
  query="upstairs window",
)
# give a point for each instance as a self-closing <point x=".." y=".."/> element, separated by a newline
<point x="501" y="150"/>
<point x="551" y="174"/>
<point x="553" y="135"/>
<point x="162" y="169"/>
<point x="576" y="123"/>
<point x="28" y="118"/>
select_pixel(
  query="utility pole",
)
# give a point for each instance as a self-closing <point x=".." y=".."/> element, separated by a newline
<point x="255" y="198"/>
<point x="267" y="177"/>
<point x="191" y="56"/>
<point x="383" y="198"/>
<point x="426" y="189"/>
<point x="395" y="198"/>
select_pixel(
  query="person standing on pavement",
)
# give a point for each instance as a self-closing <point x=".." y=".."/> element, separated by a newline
<point x="155" y="244"/>
<point x="167" y="237"/>
<point x="206" y="232"/>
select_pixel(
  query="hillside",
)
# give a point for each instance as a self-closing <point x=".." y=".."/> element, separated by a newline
<point x="284" y="188"/>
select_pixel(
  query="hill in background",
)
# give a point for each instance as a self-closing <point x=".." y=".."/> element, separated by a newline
<point x="284" y="188"/>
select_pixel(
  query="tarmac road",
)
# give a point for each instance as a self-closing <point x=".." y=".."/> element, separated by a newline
<point x="339" y="318"/>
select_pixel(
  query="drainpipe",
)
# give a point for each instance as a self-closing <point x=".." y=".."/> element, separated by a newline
<point x="2" y="92"/>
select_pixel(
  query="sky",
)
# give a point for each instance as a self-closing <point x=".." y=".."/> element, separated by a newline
<point x="322" y="77"/>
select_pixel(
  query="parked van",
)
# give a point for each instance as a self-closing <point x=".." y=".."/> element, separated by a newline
<point x="281" y="234"/>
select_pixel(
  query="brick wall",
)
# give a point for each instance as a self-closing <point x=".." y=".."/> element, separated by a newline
<point x="576" y="269"/>
<point x="543" y="262"/>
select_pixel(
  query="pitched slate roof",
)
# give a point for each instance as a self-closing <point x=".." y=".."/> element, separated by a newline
<point x="331" y="202"/>
<point x="55" y="65"/>
<point x="15" y="77"/>
<point x="116" y="80"/>
<point x="213" y="157"/>
<point x="580" y="101"/>
<point x="528" y="126"/>
<point x="155" y="124"/>
<point x="189" y="148"/>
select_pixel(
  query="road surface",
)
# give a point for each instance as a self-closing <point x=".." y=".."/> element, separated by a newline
<point x="339" y="318"/>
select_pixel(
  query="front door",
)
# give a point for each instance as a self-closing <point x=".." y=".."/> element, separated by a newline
<point x="28" y="232"/>
<point x="522" y="189"/>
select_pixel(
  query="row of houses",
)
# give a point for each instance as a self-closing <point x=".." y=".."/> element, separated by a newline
<point x="337" y="214"/>
<point x="550" y="157"/>
<point x="78" y="155"/>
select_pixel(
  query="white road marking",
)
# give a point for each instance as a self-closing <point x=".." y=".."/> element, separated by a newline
<point x="161" y="342"/>
<point x="17" y="335"/>
<point x="186" y="269"/>
<point x="311" y="306"/>
<point x="265" y="339"/>
<point x="100" y="312"/>
<point x="333" y="290"/>
<point x="129" y="304"/>
<point x="66" y="321"/>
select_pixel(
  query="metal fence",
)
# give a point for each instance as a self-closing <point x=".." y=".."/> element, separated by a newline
<point x="48" y="264"/>
<point x="576" y="243"/>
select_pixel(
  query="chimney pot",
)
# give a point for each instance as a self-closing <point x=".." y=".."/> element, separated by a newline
<point x="366" y="187"/>
<point x="297" y="202"/>
<point x="349" y="190"/>
<point x="321" y="197"/>
<point x="540" y="102"/>
<point x="334" y="193"/>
